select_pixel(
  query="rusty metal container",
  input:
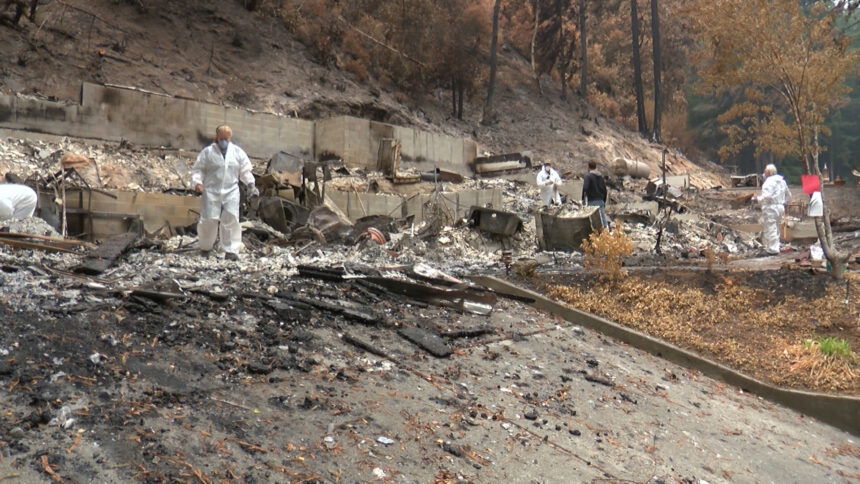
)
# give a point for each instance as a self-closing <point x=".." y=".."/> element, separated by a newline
<point x="566" y="233"/>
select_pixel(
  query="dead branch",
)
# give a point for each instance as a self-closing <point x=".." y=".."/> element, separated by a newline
<point x="48" y="470"/>
<point x="381" y="43"/>
<point x="94" y="16"/>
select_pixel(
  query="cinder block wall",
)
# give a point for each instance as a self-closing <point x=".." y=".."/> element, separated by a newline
<point x="153" y="119"/>
<point x="115" y="114"/>
<point x="458" y="204"/>
<point x="357" y="141"/>
<point x="118" y="113"/>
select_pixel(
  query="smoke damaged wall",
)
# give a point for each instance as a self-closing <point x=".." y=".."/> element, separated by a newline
<point x="357" y="141"/>
<point x="116" y="113"/>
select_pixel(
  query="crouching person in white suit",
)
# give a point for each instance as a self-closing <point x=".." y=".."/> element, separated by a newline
<point x="216" y="174"/>
<point x="16" y="201"/>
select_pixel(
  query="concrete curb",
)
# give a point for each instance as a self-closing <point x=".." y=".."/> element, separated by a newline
<point x="842" y="412"/>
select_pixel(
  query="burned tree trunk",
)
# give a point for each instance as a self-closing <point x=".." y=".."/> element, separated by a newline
<point x="583" y="51"/>
<point x="658" y="70"/>
<point x="637" y="69"/>
<point x="252" y="5"/>
<point x="836" y="259"/>
<point x="536" y="5"/>
<point x="489" y="113"/>
<point x="567" y="48"/>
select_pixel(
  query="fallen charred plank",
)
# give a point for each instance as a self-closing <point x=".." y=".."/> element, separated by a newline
<point x="325" y="274"/>
<point x="59" y="242"/>
<point x="598" y="379"/>
<point x="158" y="296"/>
<point x="102" y="257"/>
<point x="383" y="292"/>
<point x="361" y="317"/>
<point x="466" y="299"/>
<point x="23" y="244"/>
<point x="290" y="312"/>
<point x="365" y="346"/>
<point x="365" y="292"/>
<point x="215" y="296"/>
<point x="469" y="332"/>
<point x="426" y="340"/>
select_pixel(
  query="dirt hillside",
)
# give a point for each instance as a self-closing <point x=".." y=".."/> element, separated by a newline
<point x="222" y="53"/>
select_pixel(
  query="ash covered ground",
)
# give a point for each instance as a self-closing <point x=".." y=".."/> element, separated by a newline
<point x="251" y="375"/>
<point x="356" y="361"/>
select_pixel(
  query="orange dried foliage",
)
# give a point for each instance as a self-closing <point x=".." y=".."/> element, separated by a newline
<point x="605" y="251"/>
<point x="745" y="327"/>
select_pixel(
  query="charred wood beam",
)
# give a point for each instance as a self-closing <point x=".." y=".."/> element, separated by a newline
<point x="349" y="313"/>
<point x="102" y="257"/>
<point x="358" y="343"/>
<point x="430" y="342"/>
<point x="469" y="332"/>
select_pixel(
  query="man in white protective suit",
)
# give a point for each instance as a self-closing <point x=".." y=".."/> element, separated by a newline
<point x="216" y="175"/>
<point x="548" y="180"/>
<point x="773" y="197"/>
<point x="16" y="201"/>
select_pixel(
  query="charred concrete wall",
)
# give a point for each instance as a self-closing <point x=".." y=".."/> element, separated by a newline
<point x="118" y="113"/>
<point x="355" y="205"/>
<point x="115" y="113"/>
<point x="114" y="214"/>
<point x="357" y="142"/>
<point x="151" y="119"/>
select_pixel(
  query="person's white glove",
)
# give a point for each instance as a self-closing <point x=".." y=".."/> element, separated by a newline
<point x="254" y="191"/>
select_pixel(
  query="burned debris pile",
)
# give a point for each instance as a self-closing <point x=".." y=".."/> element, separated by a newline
<point x="122" y="342"/>
<point x="331" y="213"/>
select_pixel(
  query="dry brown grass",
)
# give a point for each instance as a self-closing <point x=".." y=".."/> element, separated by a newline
<point x="748" y="328"/>
<point x="816" y="370"/>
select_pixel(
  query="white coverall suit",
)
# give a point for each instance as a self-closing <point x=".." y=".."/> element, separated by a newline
<point x="220" y="174"/>
<point x="16" y="201"/>
<point x="774" y="195"/>
<point x="547" y="182"/>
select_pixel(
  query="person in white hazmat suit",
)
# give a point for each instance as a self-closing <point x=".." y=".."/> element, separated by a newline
<point x="773" y="197"/>
<point x="16" y="201"/>
<point x="216" y="174"/>
<point x="548" y="180"/>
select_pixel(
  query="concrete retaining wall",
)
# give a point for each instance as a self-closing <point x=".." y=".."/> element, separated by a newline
<point x="154" y="210"/>
<point x="115" y="114"/>
<point x="356" y="205"/>
<point x="357" y="142"/>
